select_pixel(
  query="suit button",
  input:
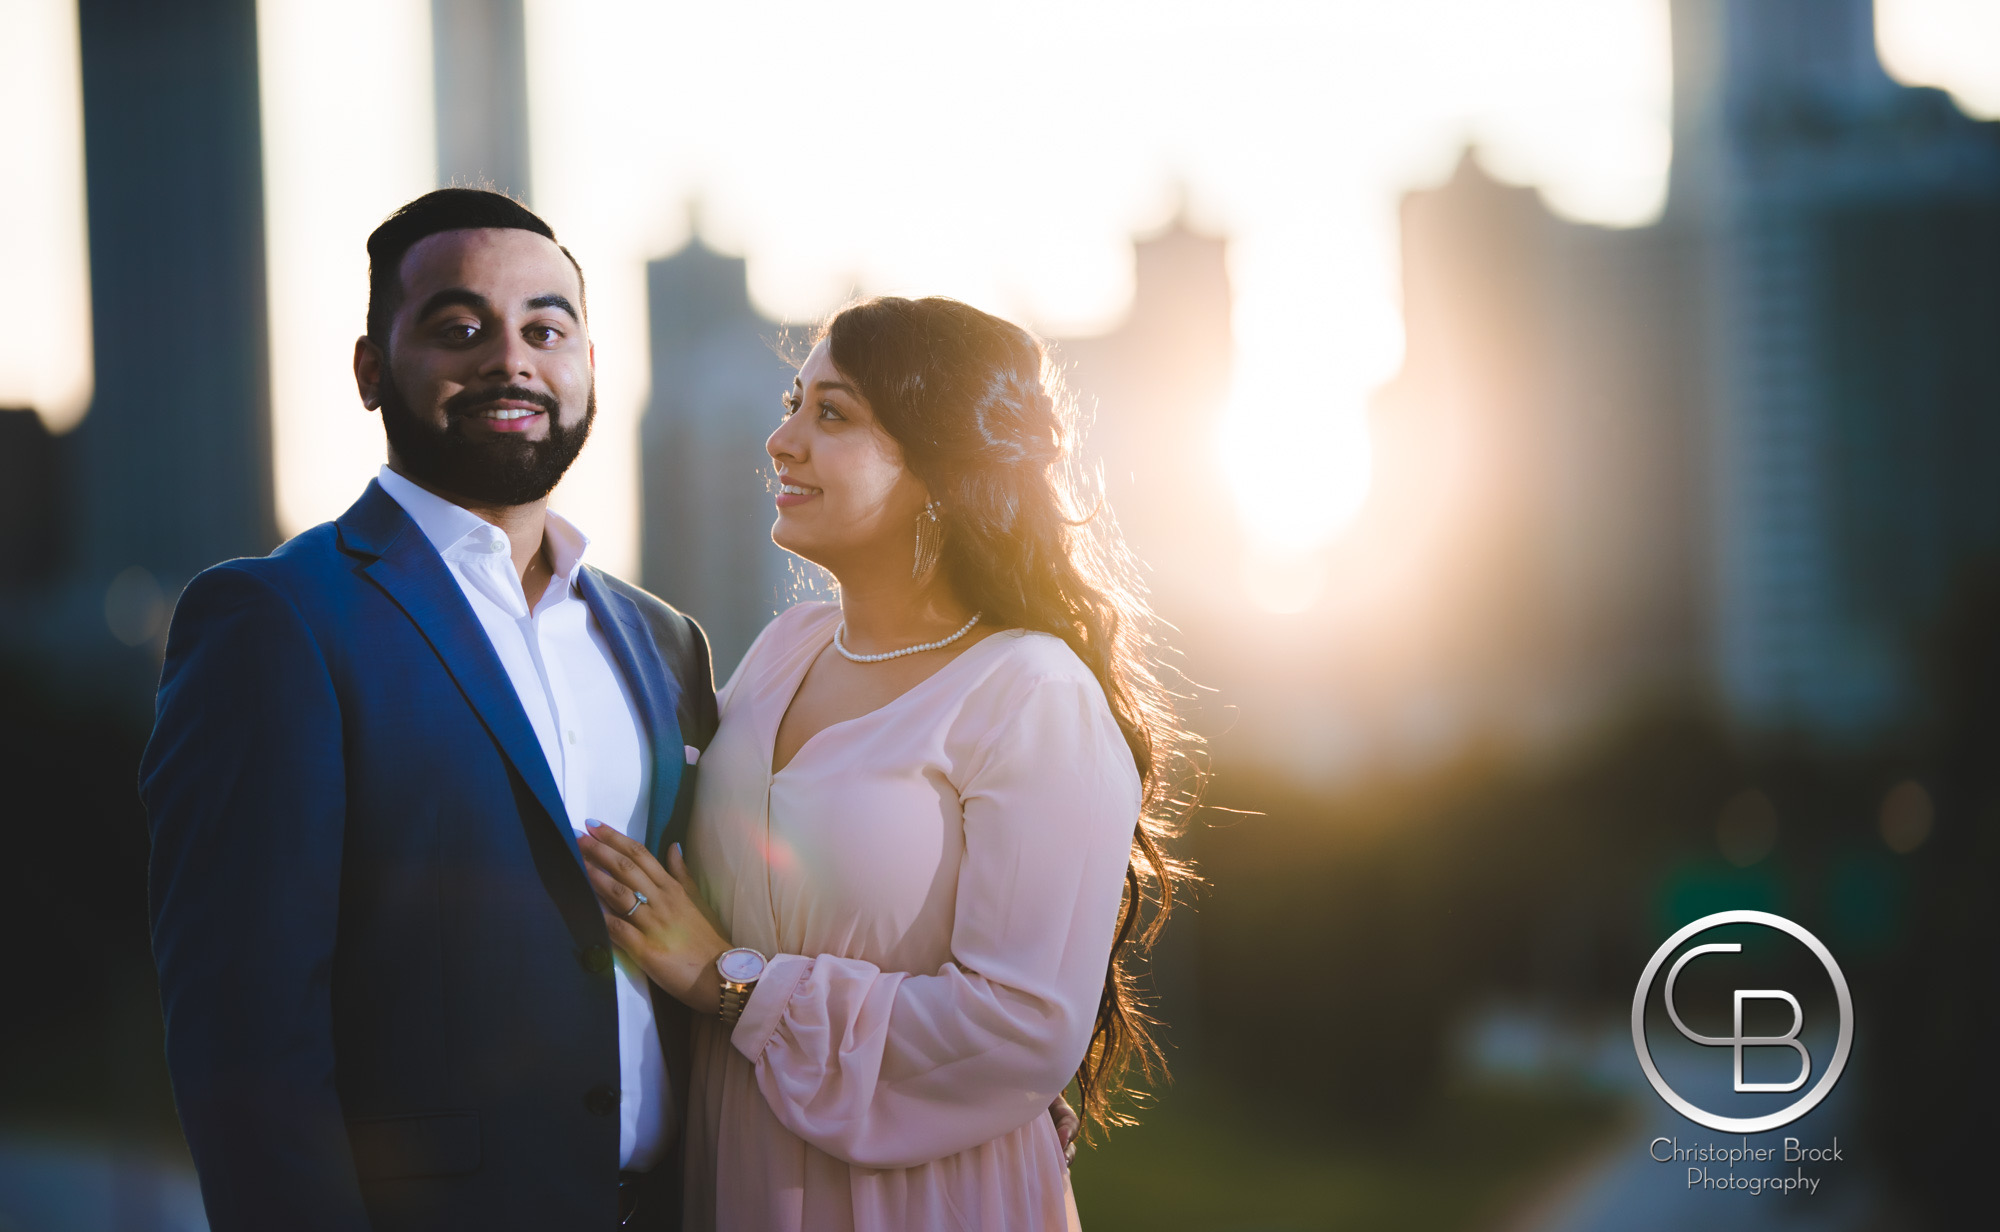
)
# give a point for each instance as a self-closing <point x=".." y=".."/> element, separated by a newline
<point x="601" y="1100"/>
<point x="595" y="959"/>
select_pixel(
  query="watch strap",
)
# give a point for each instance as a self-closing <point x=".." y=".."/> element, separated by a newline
<point x="734" y="998"/>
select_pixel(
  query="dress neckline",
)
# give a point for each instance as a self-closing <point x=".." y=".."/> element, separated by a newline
<point x="796" y="678"/>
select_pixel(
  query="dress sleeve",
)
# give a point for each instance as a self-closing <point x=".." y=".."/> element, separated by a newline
<point x="886" y="1069"/>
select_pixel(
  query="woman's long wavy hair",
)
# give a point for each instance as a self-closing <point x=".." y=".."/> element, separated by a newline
<point x="982" y="419"/>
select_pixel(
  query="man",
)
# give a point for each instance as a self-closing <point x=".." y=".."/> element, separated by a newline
<point x="391" y="1001"/>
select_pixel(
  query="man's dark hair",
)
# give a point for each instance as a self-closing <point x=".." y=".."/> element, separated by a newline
<point x="447" y="209"/>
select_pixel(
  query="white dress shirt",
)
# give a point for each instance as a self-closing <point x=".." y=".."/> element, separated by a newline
<point x="584" y="714"/>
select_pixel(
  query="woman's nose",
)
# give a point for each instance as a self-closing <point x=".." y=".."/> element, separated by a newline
<point x="782" y="444"/>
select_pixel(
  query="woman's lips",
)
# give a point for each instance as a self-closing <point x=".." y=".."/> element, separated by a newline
<point x="791" y="494"/>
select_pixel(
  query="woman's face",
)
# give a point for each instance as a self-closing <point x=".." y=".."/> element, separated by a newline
<point x="846" y="501"/>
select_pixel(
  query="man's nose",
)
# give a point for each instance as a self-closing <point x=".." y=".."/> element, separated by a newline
<point x="508" y="359"/>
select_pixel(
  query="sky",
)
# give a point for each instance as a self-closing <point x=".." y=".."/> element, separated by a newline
<point x="1003" y="154"/>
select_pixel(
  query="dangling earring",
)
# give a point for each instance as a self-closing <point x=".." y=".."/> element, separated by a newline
<point x="930" y="540"/>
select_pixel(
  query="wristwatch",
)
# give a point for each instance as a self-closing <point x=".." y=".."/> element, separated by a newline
<point x="740" y="969"/>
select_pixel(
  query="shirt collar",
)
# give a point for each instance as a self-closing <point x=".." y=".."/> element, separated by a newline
<point x="454" y="529"/>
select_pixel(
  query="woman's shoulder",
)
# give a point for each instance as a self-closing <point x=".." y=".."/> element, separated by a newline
<point x="1018" y="663"/>
<point x="1027" y="655"/>
<point x="1033" y="692"/>
<point x="798" y="625"/>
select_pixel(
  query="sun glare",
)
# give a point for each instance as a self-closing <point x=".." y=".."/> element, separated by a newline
<point x="1944" y="43"/>
<point x="1300" y="477"/>
<point x="45" y="351"/>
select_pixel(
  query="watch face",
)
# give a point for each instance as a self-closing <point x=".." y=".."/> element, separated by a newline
<point x="740" y="966"/>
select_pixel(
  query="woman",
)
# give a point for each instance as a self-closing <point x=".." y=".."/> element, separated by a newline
<point x="929" y="815"/>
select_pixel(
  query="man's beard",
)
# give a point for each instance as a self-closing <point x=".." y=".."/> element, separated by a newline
<point x="506" y="469"/>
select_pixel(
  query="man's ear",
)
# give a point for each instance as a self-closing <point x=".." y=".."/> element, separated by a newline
<point x="368" y="369"/>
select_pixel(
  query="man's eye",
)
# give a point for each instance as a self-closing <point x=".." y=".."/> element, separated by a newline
<point x="458" y="331"/>
<point x="544" y="334"/>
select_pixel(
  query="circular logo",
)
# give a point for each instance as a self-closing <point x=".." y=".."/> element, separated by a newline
<point x="1806" y="1102"/>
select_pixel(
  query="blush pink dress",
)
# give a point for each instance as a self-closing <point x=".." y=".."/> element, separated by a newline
<point x="937" y="883"/>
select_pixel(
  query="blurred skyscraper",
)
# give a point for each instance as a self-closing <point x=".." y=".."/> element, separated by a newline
<point x="1152" y="391"/>
<point x="174" y="458"/>
<point x="170" y="471"/>
<point x="31" y="492"/>
<point x="1538" y="434"/>
<point x="1849" y="240"/>
<point x="705" y="531"/>
<point x="1753" y="438"/>
<point x="479" y="58"/>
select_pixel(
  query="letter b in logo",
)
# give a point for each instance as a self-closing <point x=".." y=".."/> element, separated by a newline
<point x="1739" y="1041"/>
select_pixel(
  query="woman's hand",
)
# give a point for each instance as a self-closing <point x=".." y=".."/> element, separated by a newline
<point x="669" y="936"/>
<point x="1067" y="1125"/>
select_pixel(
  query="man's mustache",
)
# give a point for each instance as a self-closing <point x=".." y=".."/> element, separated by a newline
<point x="467" y="401"/>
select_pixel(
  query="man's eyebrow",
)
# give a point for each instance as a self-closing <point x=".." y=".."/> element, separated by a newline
<point x="462" y="297"/>
<point x="555" y="301"/>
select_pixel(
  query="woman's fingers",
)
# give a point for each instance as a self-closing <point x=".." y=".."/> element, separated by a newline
<point x="628" y="849"/>
<point x="599" y="851"/>
<point x="617" y="896"/>
<point x="677" y="865"/>
<point x="1067" y="1124"/>
<point x="1066" y="1120"/>
<point x="616" y="877"/>
<point x="626" y="935"/>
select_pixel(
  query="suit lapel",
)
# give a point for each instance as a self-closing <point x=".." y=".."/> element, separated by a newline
<point x="410" y="570"/>
<point x="653" y="688"/>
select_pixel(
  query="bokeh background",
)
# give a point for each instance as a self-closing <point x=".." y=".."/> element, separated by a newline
<point x="1562" y="434"/>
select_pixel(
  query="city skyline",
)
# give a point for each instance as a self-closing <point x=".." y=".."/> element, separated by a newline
<point x="349" y="92"/>
<point x="1175" y="439"/>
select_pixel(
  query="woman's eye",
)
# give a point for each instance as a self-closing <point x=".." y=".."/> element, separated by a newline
<point x="790" y="401"/>
<point x="827" y="411"/>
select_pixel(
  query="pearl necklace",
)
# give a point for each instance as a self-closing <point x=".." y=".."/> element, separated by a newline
<point x="840" y="644"/>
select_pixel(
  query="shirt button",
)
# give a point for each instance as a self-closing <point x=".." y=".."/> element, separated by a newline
<point x="601" y="1100"/>
<point x="595" y="959"/>
<point x="496" y="547"/>
<point x="571" y="733"/>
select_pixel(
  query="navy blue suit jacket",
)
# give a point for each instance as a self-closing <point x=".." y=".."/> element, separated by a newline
<point x="387" y="984"/>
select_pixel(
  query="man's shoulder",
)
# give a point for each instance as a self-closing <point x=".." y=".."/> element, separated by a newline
<point x="649" y="604"/>
<point x="678" y="637"/>
<point x="292" y="564"/>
